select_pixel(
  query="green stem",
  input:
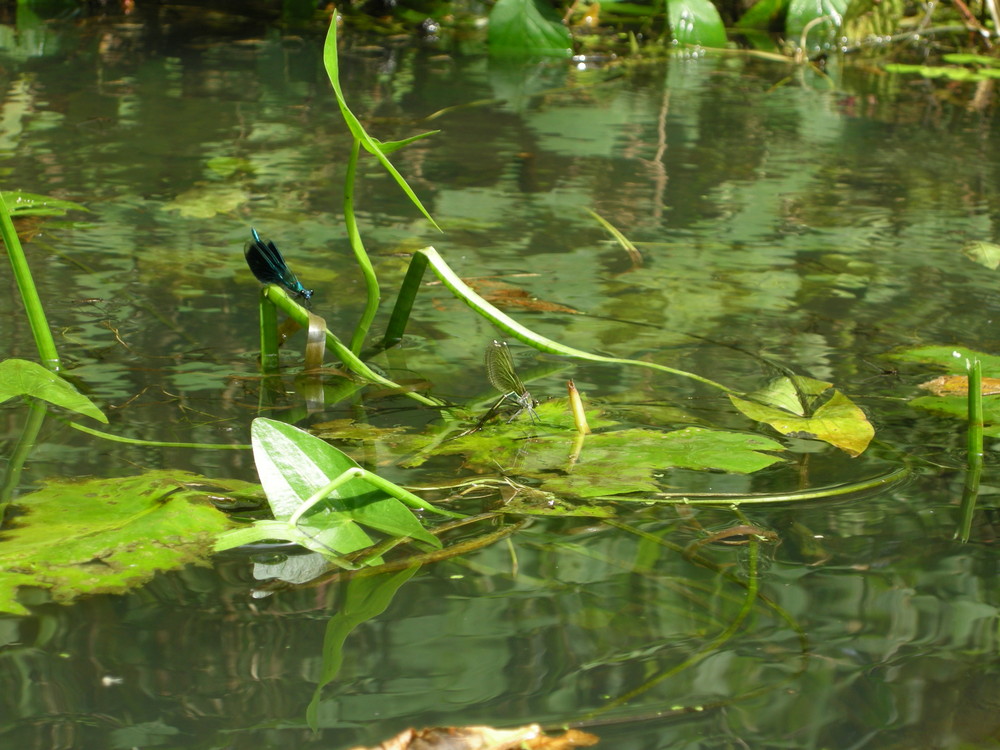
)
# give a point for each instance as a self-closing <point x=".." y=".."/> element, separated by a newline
<point x="280" y="299"/>
<point x="970" y="492"/>
<point x="268" y="336"/>
<point x="501" y="320"/>
<point x="374" y="295"/>
<point x="29" y="294"/>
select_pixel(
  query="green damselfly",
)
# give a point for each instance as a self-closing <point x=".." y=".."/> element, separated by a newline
<point x="500" y="370"/>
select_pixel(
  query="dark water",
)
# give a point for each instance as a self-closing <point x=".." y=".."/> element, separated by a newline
<point x="818" y="222"/>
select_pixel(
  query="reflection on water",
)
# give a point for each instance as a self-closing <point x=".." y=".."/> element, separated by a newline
<point x="820" y="227"/>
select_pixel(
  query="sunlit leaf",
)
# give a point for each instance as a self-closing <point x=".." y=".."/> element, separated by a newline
<point x="795" y="394"/>
<point x="19" y="377"/>
<point x="838" y="422"/>
<point x="958" y="385"/>
<point x="527" y="27"/>
<point x="951" y="358"/>
<point x="331" y="62"/>
<point x="696" y="22"/>
<point x="30" y="204"/>
<point x="628" y="461"/>
<point x="293" y="465"/>
<point x="105" y="535"/>
<point x="984" y="253"/>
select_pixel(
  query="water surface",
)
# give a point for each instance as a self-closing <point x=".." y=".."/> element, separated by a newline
<point x="816" y="222"/>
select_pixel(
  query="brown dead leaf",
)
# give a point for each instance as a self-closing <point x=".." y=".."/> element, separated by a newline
<point x="505" y="295"/>
<point x="958" y="385"/>
<point x="529" y="737"/>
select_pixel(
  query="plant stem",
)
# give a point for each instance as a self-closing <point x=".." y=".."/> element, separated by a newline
<point x="29" y="294"/>
<point x="354" y="236"/>
<point x="970" y="492"/>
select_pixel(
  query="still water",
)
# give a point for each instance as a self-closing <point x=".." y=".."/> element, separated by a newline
<point x="813" y="221"/>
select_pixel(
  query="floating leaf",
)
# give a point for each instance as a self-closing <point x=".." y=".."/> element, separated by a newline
<point x="838" y="422"/>
<point x="952" y="358"/>
<point x="106" y="535"/>
<point x="984" y="253"/>
<point x="19" y="377"/>
<point x="208" y="200"/>
<point x="227" y="166"/>
<point x="795" y="394"/>
<point x="958" y="385"/>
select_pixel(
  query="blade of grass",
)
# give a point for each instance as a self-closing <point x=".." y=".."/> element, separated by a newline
<point x="332" y="64"/>
<point x="429" y="256"/>
<point x="29" y="293"/>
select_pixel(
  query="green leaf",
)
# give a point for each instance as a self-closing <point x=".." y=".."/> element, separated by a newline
<point x="762" y="14"/>
<point x="696" y="22"/>
<point x="984" y="253"/>
<point x="951" y="358"/>
<point x="838" y="422"/>
<point x="106" y="535"/>
<point x="802" y="12"/>
<point x="19" y="377"/>
<point x="628" y="460"/>
<point x="294" y="465"/>
<point x="331" y="62"/>
<point x="958" y="406"/>
<point x="387" y="147"/>
<point x="795" y="394"/>
<point x="30" y="204"/>
<point x="527" y="27"/>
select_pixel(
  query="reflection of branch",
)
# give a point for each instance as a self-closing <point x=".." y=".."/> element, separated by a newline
<point x="750" y="583"/>
<point x="410" y="561"/>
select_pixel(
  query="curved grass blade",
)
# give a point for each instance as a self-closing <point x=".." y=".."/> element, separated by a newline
<point x="428" y="255"/>
<point x="269" y="266"/>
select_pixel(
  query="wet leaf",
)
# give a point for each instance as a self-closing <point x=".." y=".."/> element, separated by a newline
<point x="30" y="204"/>
<point x="696" y="22"/>
<point x="106" y="535"/>
<point x="527" y="27"/>
<point x="19" y="377"/>
<point x="958" y="385"/>
<point x="838" y="422"/>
